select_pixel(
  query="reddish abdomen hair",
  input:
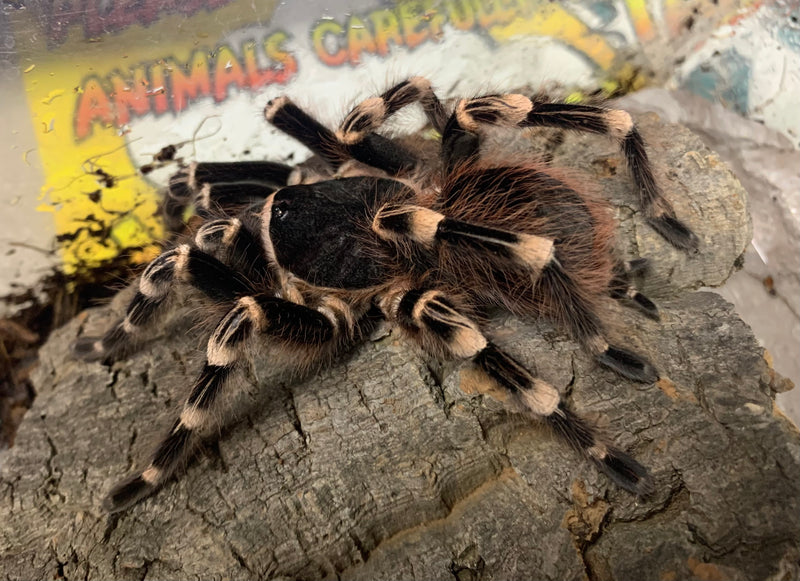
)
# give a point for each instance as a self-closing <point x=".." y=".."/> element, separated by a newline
<point x="531" y="199"/>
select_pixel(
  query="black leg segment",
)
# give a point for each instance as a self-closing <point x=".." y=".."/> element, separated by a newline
<point x="293" y="121"/>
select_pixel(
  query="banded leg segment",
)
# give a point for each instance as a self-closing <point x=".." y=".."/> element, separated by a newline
<point x="441" y="328"/>
<point x="507" y="373"/>
<point x="519" y="111"/>
<point x="459" y="145"/>
<point x="356" y="135"/>
<point x="223" y="185"/>
<point x="234" y="242"/>
<point x="197" y="415"/>
<point x="373" y="149"/>
<point x="284" y="323"/>
<point x="370" y="114"/>
<point x="357" y="130"/>
<point x="181" y="265"/>
<point x="295" y="122"/>
<point x="222" y="172"/>
<point x="427" y="227"/>
<point x="577" y="313"/>
<point x="229" y="199"/>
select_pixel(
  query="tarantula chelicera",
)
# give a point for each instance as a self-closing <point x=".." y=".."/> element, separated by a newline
<point x="311" y="262"/>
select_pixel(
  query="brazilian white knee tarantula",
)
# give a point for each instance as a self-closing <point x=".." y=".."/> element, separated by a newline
<point x="431" y="246"/>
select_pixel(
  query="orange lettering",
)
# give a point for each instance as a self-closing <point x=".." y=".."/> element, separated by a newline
<point x="324" y="34"/>
<point x="359" y="39"/>
<point x="130" y="96"/>
<point x="227" y="71"/>
<point x="387" y="28"/>
<point x="94" y="105"/>
<point x="191" y="81"/>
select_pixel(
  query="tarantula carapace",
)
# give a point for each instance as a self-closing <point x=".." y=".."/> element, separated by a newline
<point x="311" y="262"/>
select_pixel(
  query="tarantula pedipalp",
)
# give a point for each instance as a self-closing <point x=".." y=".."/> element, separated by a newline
<point x="432" y="247"/>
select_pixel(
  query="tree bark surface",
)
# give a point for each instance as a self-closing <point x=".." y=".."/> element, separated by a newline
<point x="383" y="468"/>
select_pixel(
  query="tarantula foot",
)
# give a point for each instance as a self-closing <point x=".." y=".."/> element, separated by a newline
<point x="127" y="493"/>
<point x="675" y="232"/>
<point x="638" y="266"/>
<point x="625" y="472"/>
<point x="89" y="348"/>
<point x="637" y="299"/>
<point x="622" y="289"/>
<point x="646" y="306"/>
<point x="628" y="364"/>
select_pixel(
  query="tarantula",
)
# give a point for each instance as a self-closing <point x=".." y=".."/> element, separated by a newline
<point x="314" y="261"/>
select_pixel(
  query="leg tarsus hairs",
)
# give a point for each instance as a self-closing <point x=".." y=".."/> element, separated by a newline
<point x="675" y="232"/>
<point x="622" y="289"/>
<point x="657" y="209"/>
<point x="623" y="470"/>
<point x="104" y="348"/>
<point x="628" y="364"/>
<point x="636" y="266"/>
<point x="127" y="493"/>
<point x="637" y="299"/>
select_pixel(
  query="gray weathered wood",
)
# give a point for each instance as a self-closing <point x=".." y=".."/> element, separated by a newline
<point x="383" y="468"/>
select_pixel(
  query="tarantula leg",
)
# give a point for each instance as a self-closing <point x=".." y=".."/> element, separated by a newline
<point x="196" y="417"/>
<point x="519" y="111"/>
<point x="213" y="199"/>
<point x="183" y="264"/>
<point x="427" y="227"/>
<point x="367" y="147"/>
<point x="295" y="122"/>
<point x="221" y="184"/>
<point x="283" y="322"/>
<point x="459" y="146"/>
<point x="235" y="244"/>
<point x="622" y="289"/>
<point x="257" y="172"/>
<point x="507" y="373"/>
<point x="357" y="131"/>
<point x="556" y="287"/>
<point x="462" y="135"/>
<point x="436" y="323"/>
<point x="370" y="114"/>
<point x="382" y="153"/>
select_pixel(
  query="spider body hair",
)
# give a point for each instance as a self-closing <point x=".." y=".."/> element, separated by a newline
<point x="311" y="262"/>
